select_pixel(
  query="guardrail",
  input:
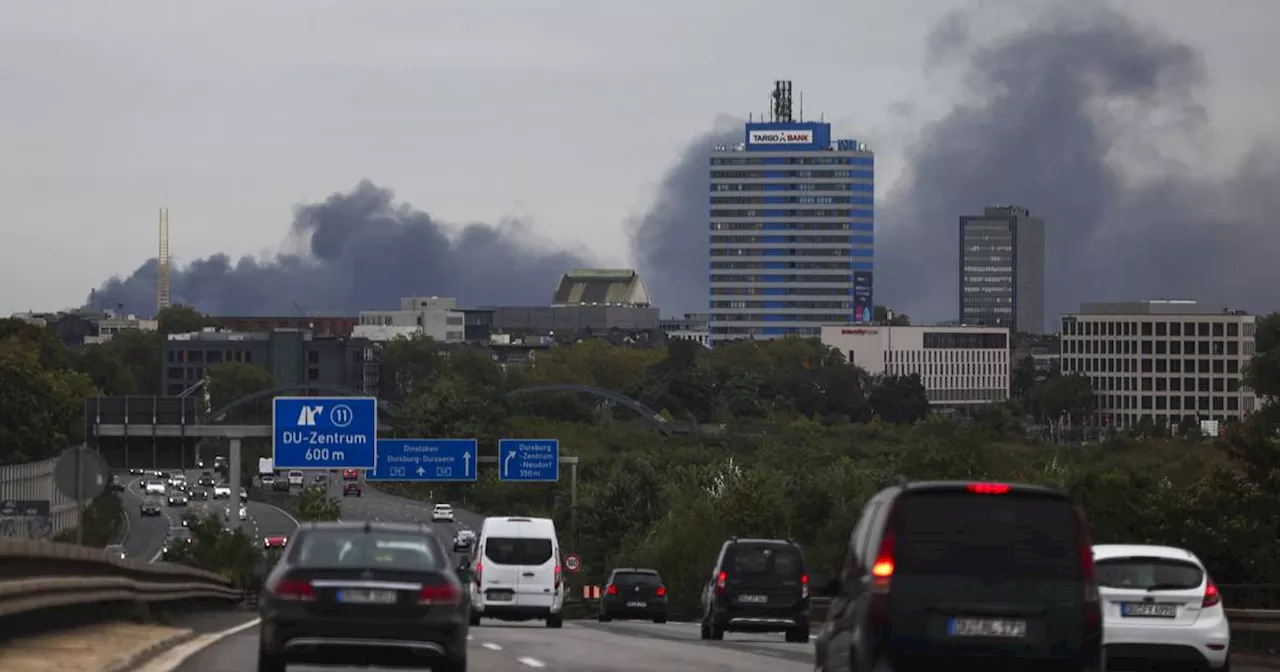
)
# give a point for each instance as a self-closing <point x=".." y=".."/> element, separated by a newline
<point x="36" y="576"/>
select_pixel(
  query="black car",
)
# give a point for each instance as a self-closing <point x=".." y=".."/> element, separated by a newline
<point x="757" y="585"/>
<point x="951" y="575"/>
<point x="150" y="508"/>
<point x="364" y="594"/>
<point x="206" y="480"/>
<point x="634" y="594"/>
<point x="178" y="498"/>
<point x="201" y="495"/>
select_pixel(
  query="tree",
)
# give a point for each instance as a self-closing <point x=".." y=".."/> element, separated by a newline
<point x="106" y="368"/>
<point x="140" y="352"/>
<point x="315" y="505"/>
<point x="1069" y="396"/>
<point x="230" y="381"/>
<point x="1263" y="371"/>
<point x="181" y="319"/>
<point x="880" y="315"/>
<point x="406" y="365"/>
<point x="899" y="399"/>
<point x="41" y="411"/>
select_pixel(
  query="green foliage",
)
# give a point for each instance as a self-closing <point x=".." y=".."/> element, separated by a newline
<point x="102" y="522"/>
<point x="214" y="548"/>
<point x="315" y="505"/>
<point x="41" y="408"/>
<point x="181" y="319"/>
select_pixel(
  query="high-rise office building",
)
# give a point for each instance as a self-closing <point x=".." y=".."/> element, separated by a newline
<point x="1002" y="269"/>
<point x="792" y="229"/>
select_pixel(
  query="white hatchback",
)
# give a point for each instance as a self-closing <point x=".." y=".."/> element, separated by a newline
<point x="442" y="513"/>
<point x="1159" y="603"/>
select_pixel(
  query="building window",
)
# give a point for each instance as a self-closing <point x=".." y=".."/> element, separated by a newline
<point x="313" y="374"/>
<point x="1233" y="330"/>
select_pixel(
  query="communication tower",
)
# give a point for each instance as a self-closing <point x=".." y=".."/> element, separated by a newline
<point x="782" y="101"/>
<point x="163" y="263"/>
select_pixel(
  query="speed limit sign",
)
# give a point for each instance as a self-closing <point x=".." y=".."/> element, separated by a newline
<point x="572" y="562"/>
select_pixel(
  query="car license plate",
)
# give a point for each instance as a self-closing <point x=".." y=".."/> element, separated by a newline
<point x="637" y="605"/>
<point x="350" y="596"/>
<point x="986" y="627"/>
<point x="499" y="596"/>
<point x="1149" y="610"/>
<point x="753" y="599"/>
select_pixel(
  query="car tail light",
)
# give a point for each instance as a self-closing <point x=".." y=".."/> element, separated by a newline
<point x="291" y="589"/>
<point x="882" y="568"/>
<point x="804" y="585"/>
<point x="721" y="582"/>
<point x="557" y="577"/>
<point x="1212" y="597"/>
<point x="479" y="571"/>
<point x="988" y="488"/>
<point x="442" y="594"/>
<point x="662" y="591"/>
<point x="1092" y="601"/>
<point x="611" y="589"/>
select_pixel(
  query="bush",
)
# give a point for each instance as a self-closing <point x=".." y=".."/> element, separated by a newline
<point x="102" y="521"/>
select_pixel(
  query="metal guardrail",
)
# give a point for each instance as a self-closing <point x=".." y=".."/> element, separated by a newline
<point x="40" y="575"/>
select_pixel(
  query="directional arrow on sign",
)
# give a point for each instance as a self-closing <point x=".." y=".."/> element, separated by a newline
<point x="421" y="471"/>
<point x="506" y="464"/>
<point x="466" y="464"/>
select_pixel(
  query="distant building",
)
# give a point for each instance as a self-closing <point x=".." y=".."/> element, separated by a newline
<point x="959" y="366"/>
<point x="292" y="356"/>
<point x="691" y="327"/>
<point x="320" y="325"/>
<point x="435" y="317"/>
<point x="1166" y="361"/>
<point x="87" y="326"/>
<point x="1002" y="261"/>
<point x="585" y="303"/>
<point x="601" y="287"/>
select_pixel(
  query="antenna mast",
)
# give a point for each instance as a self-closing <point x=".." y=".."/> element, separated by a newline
<point x="782" y="101"/>
<point x="163" y="263"/>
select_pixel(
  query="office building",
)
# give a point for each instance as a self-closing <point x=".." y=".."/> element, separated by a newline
<point x="792" y="225"/>
<point x="320" y="325"/>
<point x="960" y="366"/>
<point x="292" y="356"/>
<point x="585" y="303"/>
<point x="1002" y="270"/>
<point x="1168" y="361"/>
<point x="434" y="317"/>
<point x="691" y="327"/>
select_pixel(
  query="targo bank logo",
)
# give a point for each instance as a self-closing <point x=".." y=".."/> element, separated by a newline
<point x="796" y="137"/>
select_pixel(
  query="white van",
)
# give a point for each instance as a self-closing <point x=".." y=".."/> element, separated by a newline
<point x="516" y="572"/>
<point x="295" y="478"/>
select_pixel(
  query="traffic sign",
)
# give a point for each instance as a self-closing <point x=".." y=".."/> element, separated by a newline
<point x="529" y="460"/>
<point x="572" y="563"/>
<point x="425" y="460"/>
<point x="324" y="432"/>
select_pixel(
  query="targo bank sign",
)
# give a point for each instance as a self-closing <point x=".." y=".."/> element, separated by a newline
<point x="795" y="137"/>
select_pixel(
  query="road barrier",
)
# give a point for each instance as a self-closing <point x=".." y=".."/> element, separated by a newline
<point x="40" y="577"/>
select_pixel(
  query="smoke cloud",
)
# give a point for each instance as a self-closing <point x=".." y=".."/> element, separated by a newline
<point x="362" y="251"/>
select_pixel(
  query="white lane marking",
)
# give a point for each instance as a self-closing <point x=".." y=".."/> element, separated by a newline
<point x="491" y="646"/>
<point x="530" y="662"/>
<point x="173" y="658"/>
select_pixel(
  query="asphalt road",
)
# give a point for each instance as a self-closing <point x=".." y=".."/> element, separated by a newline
<point x="581" y="646"/>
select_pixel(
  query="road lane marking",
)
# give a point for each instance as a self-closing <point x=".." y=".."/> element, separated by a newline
<point x="530" y="662"/>
<point x="173" y="658"/>
<point x="491" y="646"/>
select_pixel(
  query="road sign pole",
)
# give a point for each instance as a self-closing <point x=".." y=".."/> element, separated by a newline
<point x="80" y="496"/>
<point x="233" y="502"/>
<point x="573" y="503"/>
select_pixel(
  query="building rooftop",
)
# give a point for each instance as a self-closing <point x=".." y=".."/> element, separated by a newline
<point x="586" y="287"/>
<point x="1154" y="307"/>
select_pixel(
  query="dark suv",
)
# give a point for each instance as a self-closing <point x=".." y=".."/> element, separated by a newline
<point x="757" y="585"/>
<point x="944" y="575"/>
<point x="634" y="593"/>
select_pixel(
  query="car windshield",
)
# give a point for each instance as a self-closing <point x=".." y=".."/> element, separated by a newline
<point x="628" y="579"/>
<point x="990" y="536"/>
<point x="357" y="548"/>
<point x="524" y="551"/>
<point x="1141" y="573"/>
<point x="780" y="560"/>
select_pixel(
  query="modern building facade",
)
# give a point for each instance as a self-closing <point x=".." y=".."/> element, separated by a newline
<point x="435" y="317"/>
<point x="691" y="327"/>
<point x="1002" y="269"/>
<point x="292" y="356"/>
<point x="792" y="225"/>
<point x="1167" y="361"/>
<point x="959" y="366"/>
<point x="320" y="325"/>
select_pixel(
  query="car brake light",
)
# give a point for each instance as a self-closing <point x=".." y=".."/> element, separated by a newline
<point x="1092" y="600"/>
<point x="662" y="590"/>
<point x="288" y="589"/>
<point x="443" y="594"/>
<point x="1212" y="597"/>
<point x="882" y="569"/>
<point x="988" y="488"/>
<point x="478" y="572"/>
<point x="721" y="582"/>
<point x="612" y="589"/>
<point x="557" y="577"/>
<point x="804" y="585"/>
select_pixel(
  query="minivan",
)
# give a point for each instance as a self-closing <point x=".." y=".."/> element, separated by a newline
<point x="296" y="478"/>
<point x="516" y="572"/>
<point x="943" y="575"/>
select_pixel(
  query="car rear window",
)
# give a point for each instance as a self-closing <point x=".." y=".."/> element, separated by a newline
<point x="522" y="551"/>
<point x="988" y="536"/>
<point x="1142" y="573"/>
<point x="780" y="560"/>
<point x="636" y="579"/>
<point x="357" y="548"/>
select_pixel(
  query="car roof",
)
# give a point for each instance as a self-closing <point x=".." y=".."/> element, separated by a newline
<point x="1113" y="551"/>
<point x="367" y="525"/>
<point x="761" y="542"/>
<point x="634" y="570"/>
<point x="960" y="486"/>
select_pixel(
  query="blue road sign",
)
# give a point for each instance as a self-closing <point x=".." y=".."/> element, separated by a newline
<point x="425" y="460"/>
<point x="324" y="432"/>
<point x="530" y="460"/>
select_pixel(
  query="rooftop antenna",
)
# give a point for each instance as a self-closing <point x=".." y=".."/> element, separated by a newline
<point x="801" y="117"/>
<point x="782" y="101"/>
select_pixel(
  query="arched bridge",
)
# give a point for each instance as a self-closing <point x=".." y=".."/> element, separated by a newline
<point x="336" y="390"/>
<point x="648" y="414"/>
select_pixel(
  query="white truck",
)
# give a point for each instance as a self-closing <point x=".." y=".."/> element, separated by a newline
<point x="266" y="467"/>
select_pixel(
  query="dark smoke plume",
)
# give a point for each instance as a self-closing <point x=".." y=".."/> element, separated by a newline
<point x="363" y="251"/>
<point x="1050" y="112"/>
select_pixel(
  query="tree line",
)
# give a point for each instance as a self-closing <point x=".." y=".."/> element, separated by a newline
<point x="785" y="439"/>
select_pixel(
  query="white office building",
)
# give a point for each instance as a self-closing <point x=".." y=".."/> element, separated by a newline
<point x="959" y="366"/>
<point x="1170" y="361"/>
<point x="435" y="317"/>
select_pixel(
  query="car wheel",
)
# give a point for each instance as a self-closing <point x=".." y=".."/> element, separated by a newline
<point x="660" y="619"/>
<point x="475" y="618"/>
<point x="717" y="632"/>
<point x="797" y="635"/>
<point x="268" y="663"/>
<point x="604" y="618"/>
<point x="555" y="621"/>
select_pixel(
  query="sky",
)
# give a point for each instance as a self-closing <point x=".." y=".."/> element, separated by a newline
<point x="330" y="155"/>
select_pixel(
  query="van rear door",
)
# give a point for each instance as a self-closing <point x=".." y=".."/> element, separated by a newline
<point x="764" y="575"/>
<point x="523" y="565"/>
<point x="988" y="573"/>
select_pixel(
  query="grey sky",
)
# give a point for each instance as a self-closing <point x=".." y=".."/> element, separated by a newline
<point x="567" y="115"/>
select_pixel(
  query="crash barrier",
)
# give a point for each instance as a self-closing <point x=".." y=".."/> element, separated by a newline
<point x="78" y="583"/>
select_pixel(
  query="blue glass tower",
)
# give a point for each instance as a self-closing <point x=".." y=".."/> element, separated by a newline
<point x="792" y="227"/>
